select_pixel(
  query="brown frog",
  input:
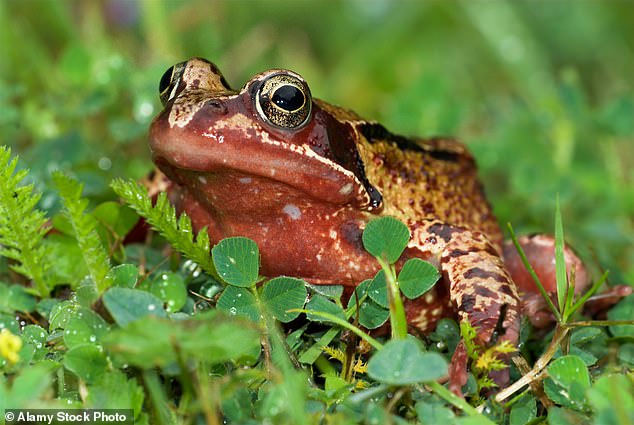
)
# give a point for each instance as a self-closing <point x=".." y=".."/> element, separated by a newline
<point x="302" y="178"/>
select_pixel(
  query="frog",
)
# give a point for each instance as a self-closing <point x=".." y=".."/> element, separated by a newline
<point x="302" y="178"/>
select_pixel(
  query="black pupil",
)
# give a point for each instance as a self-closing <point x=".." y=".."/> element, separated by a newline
<point x="166" y="79"/>
<point x="288" y="97"/>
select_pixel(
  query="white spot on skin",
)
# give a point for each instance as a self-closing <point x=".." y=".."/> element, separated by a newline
<point x="292" y="211"/>
<point x="346" y="189"/>
<point x="429" y="298"/>
<point x="333" y="234"/>
<point x="218" y="138"/>
<point x="245" y="180"/>
<point x="202" y="179"/>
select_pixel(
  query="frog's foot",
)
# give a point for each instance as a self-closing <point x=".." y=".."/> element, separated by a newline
<point x="540" y="251"/>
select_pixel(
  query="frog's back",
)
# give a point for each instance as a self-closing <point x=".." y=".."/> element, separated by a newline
<point x="422" y="179"/>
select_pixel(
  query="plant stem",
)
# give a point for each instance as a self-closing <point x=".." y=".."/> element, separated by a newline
<point x="398" y="320"/>
<point x="460" y="403"/>
<point x="531" y="271"/>
<point x="539" y="366"/>
<point x="338" y="321"/>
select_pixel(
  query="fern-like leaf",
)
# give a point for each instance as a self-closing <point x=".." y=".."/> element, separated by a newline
<point x="22" y="226"/>
<point x="85" y="230"/>
<point x="162" y="217"/>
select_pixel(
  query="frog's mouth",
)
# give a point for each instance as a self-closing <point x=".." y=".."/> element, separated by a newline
<point x="198" y="159"/>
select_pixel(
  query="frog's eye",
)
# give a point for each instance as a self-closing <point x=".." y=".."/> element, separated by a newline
<point x="284" y="101"/>
<point x="169" y="82"/>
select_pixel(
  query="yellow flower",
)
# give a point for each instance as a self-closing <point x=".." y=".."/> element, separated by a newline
<point x="10" y="345"/>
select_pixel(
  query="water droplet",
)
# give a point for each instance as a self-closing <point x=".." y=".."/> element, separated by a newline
<point x="151" y="307"/>
<point x="233" y="311"/>
<point x="92" y="338"/>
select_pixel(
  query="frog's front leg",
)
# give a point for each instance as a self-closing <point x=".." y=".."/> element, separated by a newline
<point x="479" y="286"/>
<point x="480" y="289"/>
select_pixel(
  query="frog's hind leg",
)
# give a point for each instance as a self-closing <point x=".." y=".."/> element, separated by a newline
<point x="540" y="252"/>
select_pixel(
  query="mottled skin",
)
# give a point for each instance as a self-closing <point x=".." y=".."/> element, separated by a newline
<point x="305" y="186"/>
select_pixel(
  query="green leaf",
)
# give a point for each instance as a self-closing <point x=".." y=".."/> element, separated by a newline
<point x="524" y="411"/>
<point x="210" y="337"/>
<point x="446" y="336"/>
<point x="85" y="230"/>
<point x="237" y="406"/>
<point x="560" y="262"/>
<point x="127" y="305"/>
<point x="30" y="384"/>
<point x="434" y="413"/>
<point x="162" y="217"/>
<point x="402" y="362"/>
<point x="624" y="310"/>
<point x="282" y="294"/>
<point x="569" y="370"/>
<point x="237" y="261"/>
<point x="417" y="277"/>
<point x="87" y="361"/>
<point x="36" y="336"/>
<point x="386" y="238"/>
<point x="115" y="217"/>
<point x="61" y="314"/>
<point x="19" y="300"/>
<point x="114" y="390"/>
<point x="325" y="305"/>
<point x="7" y="321"/>
<point x="170" y="288"/>
<point x="377" y="289"/>
<point x="124" y="275"/>
<point x="371" y="315"/>
<point x="561" y="416"/>
<point x="568" y="382"/>
<point x="84" y="327"/>
<point x="69" y="269"/>
<point x="238" y="301"/>
<point x="22" y="226"/>
<point x="333" y="292"/>
<point x="612" y="397"/>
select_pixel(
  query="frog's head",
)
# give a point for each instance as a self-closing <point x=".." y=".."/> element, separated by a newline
<point x="271" y="133"/>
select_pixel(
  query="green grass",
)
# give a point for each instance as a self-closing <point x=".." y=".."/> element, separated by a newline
<point x="540" y="91"/>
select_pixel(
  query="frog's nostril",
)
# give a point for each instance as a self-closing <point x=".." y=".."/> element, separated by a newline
<point x="217" y="107"/>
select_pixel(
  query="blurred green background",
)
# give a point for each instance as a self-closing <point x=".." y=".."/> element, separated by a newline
<point x="541" y="91"/>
